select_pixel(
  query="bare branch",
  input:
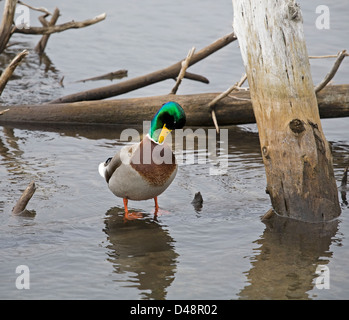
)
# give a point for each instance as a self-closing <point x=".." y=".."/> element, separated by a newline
<point x="221" y="96"/>
<point x="196" y="77"/>
<point x="40" y="47"/>
<point x="215" y="122"/>
<point x="228" y="91"/>
<point x="108" y="76"/>
<point x="185" y="65"/>
<point x="328" y="56"/>
<point x="61" y="27"/>
<point x="7" y="73"/>
<point x="6" y="24"/>
<point x="41" y="9"/>
<point x="341" y="55"/>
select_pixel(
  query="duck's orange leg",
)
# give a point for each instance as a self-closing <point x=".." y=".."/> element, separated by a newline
<point x="156" y="206"/>
<point x="156" y="203"/>
<point x="125" y="205"/>
<point x="131" y="216"/>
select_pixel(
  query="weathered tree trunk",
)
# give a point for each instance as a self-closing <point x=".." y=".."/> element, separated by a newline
<point x="296" y="155"/>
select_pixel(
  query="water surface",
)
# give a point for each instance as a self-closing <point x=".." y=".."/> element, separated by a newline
<point x="78" y="245"/>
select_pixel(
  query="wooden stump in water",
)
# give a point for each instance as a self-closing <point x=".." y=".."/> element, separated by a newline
<point x="296" y="154"/>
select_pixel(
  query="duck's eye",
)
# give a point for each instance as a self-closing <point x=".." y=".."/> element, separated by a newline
<point x="107" y="161"/>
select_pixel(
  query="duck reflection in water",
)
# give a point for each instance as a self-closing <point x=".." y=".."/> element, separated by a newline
<point x="144" y="249"/>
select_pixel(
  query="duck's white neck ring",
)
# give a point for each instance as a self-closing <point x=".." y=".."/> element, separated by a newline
<point x="151" y="139"/>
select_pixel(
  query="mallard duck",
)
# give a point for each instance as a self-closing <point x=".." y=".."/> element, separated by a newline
<point x="144" y="170"/>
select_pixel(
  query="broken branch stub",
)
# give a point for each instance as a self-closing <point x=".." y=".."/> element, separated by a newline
<point x="21" y="204"/>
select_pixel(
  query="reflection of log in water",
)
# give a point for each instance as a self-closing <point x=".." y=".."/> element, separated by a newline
<point x="143" y="248"/>
<point x="289" y="254"/>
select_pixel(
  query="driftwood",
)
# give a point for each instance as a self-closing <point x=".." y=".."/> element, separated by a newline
<point x="60" y="27"/>
<point x="185" y="65"/>
<point x="41" y="9"/>
<point x="333" y="102"/>
<point x="8" y="28"/>
<point x="20" y="207"/>
<point x="7" y="23"/>
<point x="40" y="47"/>
<point x="7" y="73"/>
<point x="213" y="103"/>
<point x="330" y="75"/>
<point x="119" y="74"/>
<point x="170" y="72"/>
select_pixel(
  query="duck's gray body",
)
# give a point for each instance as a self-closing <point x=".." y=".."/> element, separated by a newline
<point x="141" y="171"/>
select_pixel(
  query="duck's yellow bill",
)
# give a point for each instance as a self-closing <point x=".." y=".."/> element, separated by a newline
<point x="163" y="134"/>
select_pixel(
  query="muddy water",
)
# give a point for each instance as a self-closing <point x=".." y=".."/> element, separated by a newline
<point x="77" y="244"/>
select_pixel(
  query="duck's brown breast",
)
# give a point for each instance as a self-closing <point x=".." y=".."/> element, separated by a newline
<point x="155" y="163"/>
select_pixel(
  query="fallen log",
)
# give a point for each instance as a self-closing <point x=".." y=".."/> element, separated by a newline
<point x="333" y="102"/>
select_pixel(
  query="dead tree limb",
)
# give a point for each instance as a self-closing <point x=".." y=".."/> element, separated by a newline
<point x="341" y="55"/>
<point x="7" y="73"/>
<point x="108" y="76"/>
<point x="196" y="77"/>
<point x="170" y="72"/>
<point x="327" y="56"/>
<point x="185" y="65"/>
<point x="61" y="27"/>
<point x="41" y="9"/>
<point x="24" y="199"/>
<point x="40" y="47"/>
<point x="6" y="25"/>
<point x="212" y="104"/>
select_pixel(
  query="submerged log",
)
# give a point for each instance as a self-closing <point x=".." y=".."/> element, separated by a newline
<point x="333" y="103"/>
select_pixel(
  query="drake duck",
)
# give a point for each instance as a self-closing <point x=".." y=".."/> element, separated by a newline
<point x="144" y="170"/>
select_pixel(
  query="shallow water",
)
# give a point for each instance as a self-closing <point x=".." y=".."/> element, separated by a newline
<point x="78" y="246"/>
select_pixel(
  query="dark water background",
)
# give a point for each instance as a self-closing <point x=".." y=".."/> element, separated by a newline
<point x="77" y="245"/>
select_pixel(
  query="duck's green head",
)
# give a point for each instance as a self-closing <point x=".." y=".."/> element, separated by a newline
<point x="171" y="116"/>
